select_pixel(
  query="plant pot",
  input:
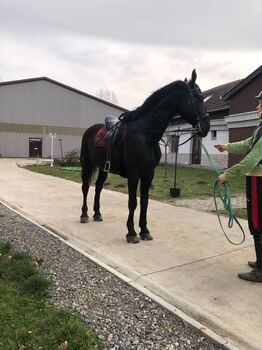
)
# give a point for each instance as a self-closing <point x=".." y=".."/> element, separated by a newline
<point x="174" y="192"/>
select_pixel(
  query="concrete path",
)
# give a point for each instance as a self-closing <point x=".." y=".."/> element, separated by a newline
<point x="189" y="263"/>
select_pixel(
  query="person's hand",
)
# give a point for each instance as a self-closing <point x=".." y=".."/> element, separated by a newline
<point x="221" y="179"/>
<point x="219" y="147"/>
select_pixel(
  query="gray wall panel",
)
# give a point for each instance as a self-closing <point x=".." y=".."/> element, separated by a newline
<point x="17" y="144"/>
<point x="43" y="102"/>
<point x="30" y="109"/>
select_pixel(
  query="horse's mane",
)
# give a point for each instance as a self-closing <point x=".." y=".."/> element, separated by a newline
<point x="153" y="100"/>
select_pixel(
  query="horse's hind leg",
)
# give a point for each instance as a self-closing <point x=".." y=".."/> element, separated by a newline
<point x="86" y="179"/>
<point x="102" y="175"/>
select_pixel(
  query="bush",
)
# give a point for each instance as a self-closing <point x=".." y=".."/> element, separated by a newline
<point x="72" y="158"/>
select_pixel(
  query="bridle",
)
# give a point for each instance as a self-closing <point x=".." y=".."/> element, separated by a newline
<point x="199" y="116"/>
<point x="195" y="130"/>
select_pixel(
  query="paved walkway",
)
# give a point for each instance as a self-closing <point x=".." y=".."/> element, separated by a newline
<point x="189" y="263"/>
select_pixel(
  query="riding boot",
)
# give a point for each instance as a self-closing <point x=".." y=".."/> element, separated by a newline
<point x="252" y="264"/>
<point x="255" y="275"/>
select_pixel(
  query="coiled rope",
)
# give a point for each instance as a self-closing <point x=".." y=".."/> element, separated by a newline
<point x="222" y="192"/>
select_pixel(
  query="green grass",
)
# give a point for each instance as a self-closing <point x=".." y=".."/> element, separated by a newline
<point x="27" y="320"/>
<point x="239" y="212"/>
<point x="193" y="182"/>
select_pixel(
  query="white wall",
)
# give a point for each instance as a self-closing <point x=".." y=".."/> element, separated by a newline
<point x="185" y="151"/>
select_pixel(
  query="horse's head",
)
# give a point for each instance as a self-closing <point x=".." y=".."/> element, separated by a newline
<point x="192" y="107"/>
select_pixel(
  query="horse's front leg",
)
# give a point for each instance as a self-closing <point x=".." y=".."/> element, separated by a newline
<point x="131" y="236"/>
<point x="102" y="175"/>
<point x="144" y="189"/>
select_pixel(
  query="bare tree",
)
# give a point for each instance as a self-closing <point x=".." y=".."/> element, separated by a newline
<point x="107" y="95"/>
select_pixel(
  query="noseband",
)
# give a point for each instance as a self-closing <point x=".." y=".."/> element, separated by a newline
<point x="199" y="117"/>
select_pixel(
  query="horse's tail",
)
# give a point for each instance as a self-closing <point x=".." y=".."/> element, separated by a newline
<point x="87" y="163"/>
<point x="85" y="160"/>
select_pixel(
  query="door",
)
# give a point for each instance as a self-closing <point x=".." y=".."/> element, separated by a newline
<point x="196" y="150"/>
<point x="35" y="148"/>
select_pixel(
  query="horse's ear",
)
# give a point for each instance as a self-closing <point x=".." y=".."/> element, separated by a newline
<point x="193" y="78"/>
<point x="185" y="80"/>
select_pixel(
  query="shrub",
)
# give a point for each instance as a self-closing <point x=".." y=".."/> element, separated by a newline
<point x="72" y="158"/>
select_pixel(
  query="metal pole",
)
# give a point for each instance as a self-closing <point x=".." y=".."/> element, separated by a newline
<point x="52" y="135"/>
<point x="175" y="169"/>
<point x="61" y="147"/>
<point x="165" y="159"/>
<point x="175" y="192"/>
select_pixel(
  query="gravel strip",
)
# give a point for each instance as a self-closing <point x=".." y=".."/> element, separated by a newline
<point x="125" y="318"/>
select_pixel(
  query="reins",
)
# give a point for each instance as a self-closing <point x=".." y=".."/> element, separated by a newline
<point x="182" y="143"/>
<point x="222" y="191"/>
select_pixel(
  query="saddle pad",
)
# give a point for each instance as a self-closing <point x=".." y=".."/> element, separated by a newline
<point x="100" y="138"/>
<point x="103" y="136"/>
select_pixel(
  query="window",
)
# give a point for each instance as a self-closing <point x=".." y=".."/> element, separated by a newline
<point x="213" y="134"/>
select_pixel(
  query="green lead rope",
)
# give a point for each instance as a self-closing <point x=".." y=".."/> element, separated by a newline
<point x="222" y="191"/>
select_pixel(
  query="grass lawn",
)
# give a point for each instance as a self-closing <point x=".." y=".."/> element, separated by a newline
<point x="193" y="182"/>
<point x="27" y="320"/>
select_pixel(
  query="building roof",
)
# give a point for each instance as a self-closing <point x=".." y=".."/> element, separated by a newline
<point x="242" y="83"/>
<point x="64" y="86"/>
<point x="214" y="98"/>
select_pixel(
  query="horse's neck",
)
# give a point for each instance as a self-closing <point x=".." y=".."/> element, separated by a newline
<point x="157" y="121"/>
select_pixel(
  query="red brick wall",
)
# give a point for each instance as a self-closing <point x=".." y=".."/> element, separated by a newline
<point x="243" y="101"/>
<point x="238" y="135"/>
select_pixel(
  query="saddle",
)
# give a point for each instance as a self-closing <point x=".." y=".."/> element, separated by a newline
<point x="109" y="135"/>
<point x="108" y="132"/>
<point x="110" y="121"/>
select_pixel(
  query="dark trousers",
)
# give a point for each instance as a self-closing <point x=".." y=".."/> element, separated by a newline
<point x="254" y="204"/>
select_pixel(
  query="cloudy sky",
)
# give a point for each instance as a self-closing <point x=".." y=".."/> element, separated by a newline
<point x="131" y="47"/>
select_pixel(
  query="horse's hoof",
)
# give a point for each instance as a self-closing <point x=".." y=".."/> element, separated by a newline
<point x="146" y="236"/>
<point x="98" y="217"/>
<point x="84" y="219"/>
<point x="132" y="238"/>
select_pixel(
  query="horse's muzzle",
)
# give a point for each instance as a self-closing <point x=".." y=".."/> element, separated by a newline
<point x="203" y="126"/>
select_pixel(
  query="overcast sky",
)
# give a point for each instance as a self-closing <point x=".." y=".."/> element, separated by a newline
<point x="131" y="47"/>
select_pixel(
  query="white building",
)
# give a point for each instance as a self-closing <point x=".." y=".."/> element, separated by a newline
<point x="233" y="117"/>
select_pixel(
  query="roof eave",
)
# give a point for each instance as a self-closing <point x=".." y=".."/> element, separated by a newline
<point x="245" y="81"/>
<point x="218" y="109"/>
<point x="66" y="87"/>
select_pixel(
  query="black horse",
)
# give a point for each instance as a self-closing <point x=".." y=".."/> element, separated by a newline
<point x="135" y="152"/>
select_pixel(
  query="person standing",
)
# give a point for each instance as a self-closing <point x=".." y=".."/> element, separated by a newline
<point x="251" y="166"/>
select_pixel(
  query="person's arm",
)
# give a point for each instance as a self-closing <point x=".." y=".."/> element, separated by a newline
<point x="240" y="147"/>
<point x="245" y="165"/>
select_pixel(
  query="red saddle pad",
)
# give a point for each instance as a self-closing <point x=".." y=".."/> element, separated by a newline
<point x="99" y="138"/>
